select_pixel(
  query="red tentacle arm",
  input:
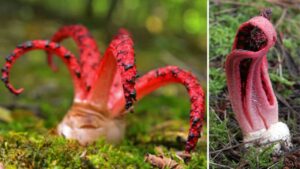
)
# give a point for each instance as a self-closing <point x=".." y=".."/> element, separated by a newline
<point x="167" y="75"/>
<point x="67" y="57"/>
<point x="88" y="48"/>
<point x="118" y="58"/>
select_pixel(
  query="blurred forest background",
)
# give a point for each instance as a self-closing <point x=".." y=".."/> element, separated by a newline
<point x="169" y="32"/>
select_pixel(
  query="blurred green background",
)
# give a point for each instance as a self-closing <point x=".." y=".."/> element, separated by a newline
<point x="169" y="32"/>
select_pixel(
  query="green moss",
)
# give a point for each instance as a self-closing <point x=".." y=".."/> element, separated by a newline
<point x="217" y="80"/>
<point x="198" y="161"/>
<point x="218" y="131"/>
<point x="27" y="143"/>
<point x="281" y="80"/>
<point x="31" y="150"/>
<point x="260" y="158"/>
<point x="24" y="150"/>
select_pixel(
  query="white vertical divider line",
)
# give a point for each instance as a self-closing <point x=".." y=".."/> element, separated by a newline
<point x="207" y="80"/>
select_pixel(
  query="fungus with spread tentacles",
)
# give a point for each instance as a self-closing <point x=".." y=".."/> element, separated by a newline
<point x="250" y="90"/>
<point x="106" y="87"/>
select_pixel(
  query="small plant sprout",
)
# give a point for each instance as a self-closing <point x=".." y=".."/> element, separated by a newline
<point x="250" y="90"/>
<point x="105" y="88"/>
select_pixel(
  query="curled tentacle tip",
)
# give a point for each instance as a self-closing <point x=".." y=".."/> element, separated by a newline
<point x="13" y="90"/>
<point x="18" y="91"/>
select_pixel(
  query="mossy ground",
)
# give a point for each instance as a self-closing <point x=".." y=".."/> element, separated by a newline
<point x="225" y="135"/>
<point x="26" y="143"/>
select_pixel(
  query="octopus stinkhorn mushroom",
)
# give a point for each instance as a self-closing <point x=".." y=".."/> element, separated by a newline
<point x="105" y="88"/>
<point x="250" y="90"/>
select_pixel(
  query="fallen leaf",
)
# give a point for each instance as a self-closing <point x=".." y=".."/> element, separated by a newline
<point x="162" y="162"/>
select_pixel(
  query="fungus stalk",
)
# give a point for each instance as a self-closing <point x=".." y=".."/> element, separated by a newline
<point x="250" y="90"/>
<point x="105" y="88"/>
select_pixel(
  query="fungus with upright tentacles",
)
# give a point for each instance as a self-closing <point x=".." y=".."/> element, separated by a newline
<point x="250" y="90"/>
<point x="105" y="88"/>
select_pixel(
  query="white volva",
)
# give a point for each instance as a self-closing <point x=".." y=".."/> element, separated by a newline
<point x="277" y="133"/>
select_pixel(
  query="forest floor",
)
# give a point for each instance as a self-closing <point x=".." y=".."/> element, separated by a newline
<point x="28" y="142"/>
<point x="225" y="146"/>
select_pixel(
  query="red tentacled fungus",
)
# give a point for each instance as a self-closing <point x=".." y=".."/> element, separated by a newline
<point x="105" y="87"/>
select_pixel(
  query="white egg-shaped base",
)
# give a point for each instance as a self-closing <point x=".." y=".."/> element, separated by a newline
<point x="278" y="134"/>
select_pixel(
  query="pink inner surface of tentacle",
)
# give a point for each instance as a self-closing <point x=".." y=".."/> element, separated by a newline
<point x="118" y="59"/>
